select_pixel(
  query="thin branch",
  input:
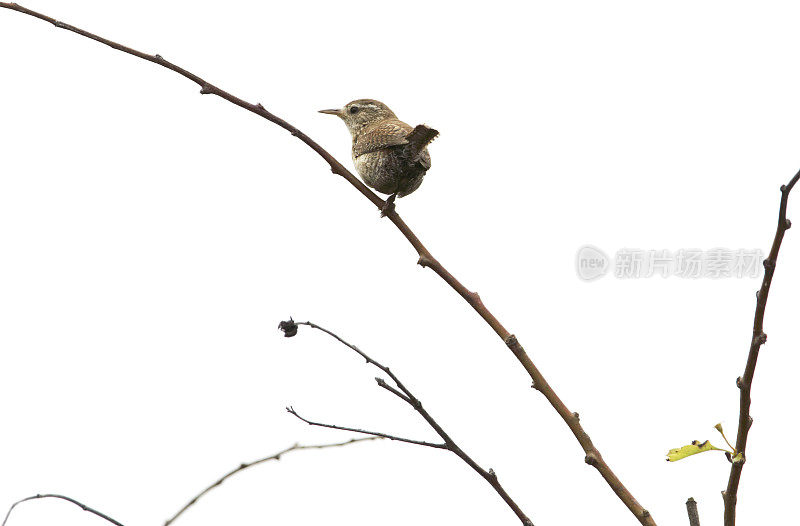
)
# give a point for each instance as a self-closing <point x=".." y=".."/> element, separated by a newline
<point x="290" y="328"/>
<point x="242" y="467"/>
<point x="426" y="259"/>
<point x="745" y="382"/>
<point x="81" y="505"/>
<point x="382" y="383"/>
<point x="365" y="432"/>
<point x="691" y="509"/>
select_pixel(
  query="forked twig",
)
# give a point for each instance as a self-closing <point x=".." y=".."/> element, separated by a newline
<point x="745" y="382"/>
<point x="403" y="393"/>
<point x="242" y="467"/>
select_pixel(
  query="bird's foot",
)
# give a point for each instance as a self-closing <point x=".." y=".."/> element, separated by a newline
<point x="388" y="207"/>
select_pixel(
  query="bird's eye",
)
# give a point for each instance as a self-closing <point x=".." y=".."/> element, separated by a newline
<point x="354" y="110"/>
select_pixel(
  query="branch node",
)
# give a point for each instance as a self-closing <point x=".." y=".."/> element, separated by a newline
<point x="769" y="264"/>
<point x="739" y="382"/>
<point x="591" y="459"/>
<point x="492" y="474"/>
<point x="645" y="514"/>
<point x="424" y="261"/>
<point x="206" y="89"/>
<point x="576" y="416"/>
<point x="760" y="338"/>
<point x="788" y="224"/>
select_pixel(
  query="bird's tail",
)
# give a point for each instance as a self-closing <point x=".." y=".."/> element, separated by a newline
<point x="421" y="136"/>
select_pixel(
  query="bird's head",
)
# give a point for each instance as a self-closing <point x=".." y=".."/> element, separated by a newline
<point x="360" y="113"/>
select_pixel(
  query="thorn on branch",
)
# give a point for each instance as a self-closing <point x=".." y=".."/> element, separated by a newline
<point x="289" y="328"/>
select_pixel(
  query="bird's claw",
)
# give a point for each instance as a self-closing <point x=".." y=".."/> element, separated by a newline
<point x="388" y="207"/>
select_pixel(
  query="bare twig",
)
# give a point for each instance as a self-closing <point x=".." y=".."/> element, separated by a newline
<point x="691" y="509"/>
<point x="745" y="382"/>
<point x="81" y="505"/>
<point x="402" y="392"/>
<point x="376" y="434"/>
<point x="242" y="467"/>
<point x="426" y="259"/>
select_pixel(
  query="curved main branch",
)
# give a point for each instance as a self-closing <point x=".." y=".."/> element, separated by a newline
<point x="745" y="382"/>
<point x="426" y="259"/>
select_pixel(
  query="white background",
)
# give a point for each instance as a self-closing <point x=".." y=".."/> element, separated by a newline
<point x="151" y="239"/>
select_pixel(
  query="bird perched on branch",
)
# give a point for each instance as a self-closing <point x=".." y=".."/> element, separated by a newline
<point x="390" y="156"/>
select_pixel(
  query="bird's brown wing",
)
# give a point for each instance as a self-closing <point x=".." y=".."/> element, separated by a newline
<point x="383" y="134"/>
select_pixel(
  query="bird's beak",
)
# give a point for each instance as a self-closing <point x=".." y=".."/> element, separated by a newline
<point x="332" y="112"/>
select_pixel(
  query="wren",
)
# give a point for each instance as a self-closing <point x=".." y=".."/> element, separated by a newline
<point x="390" y="156"/>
